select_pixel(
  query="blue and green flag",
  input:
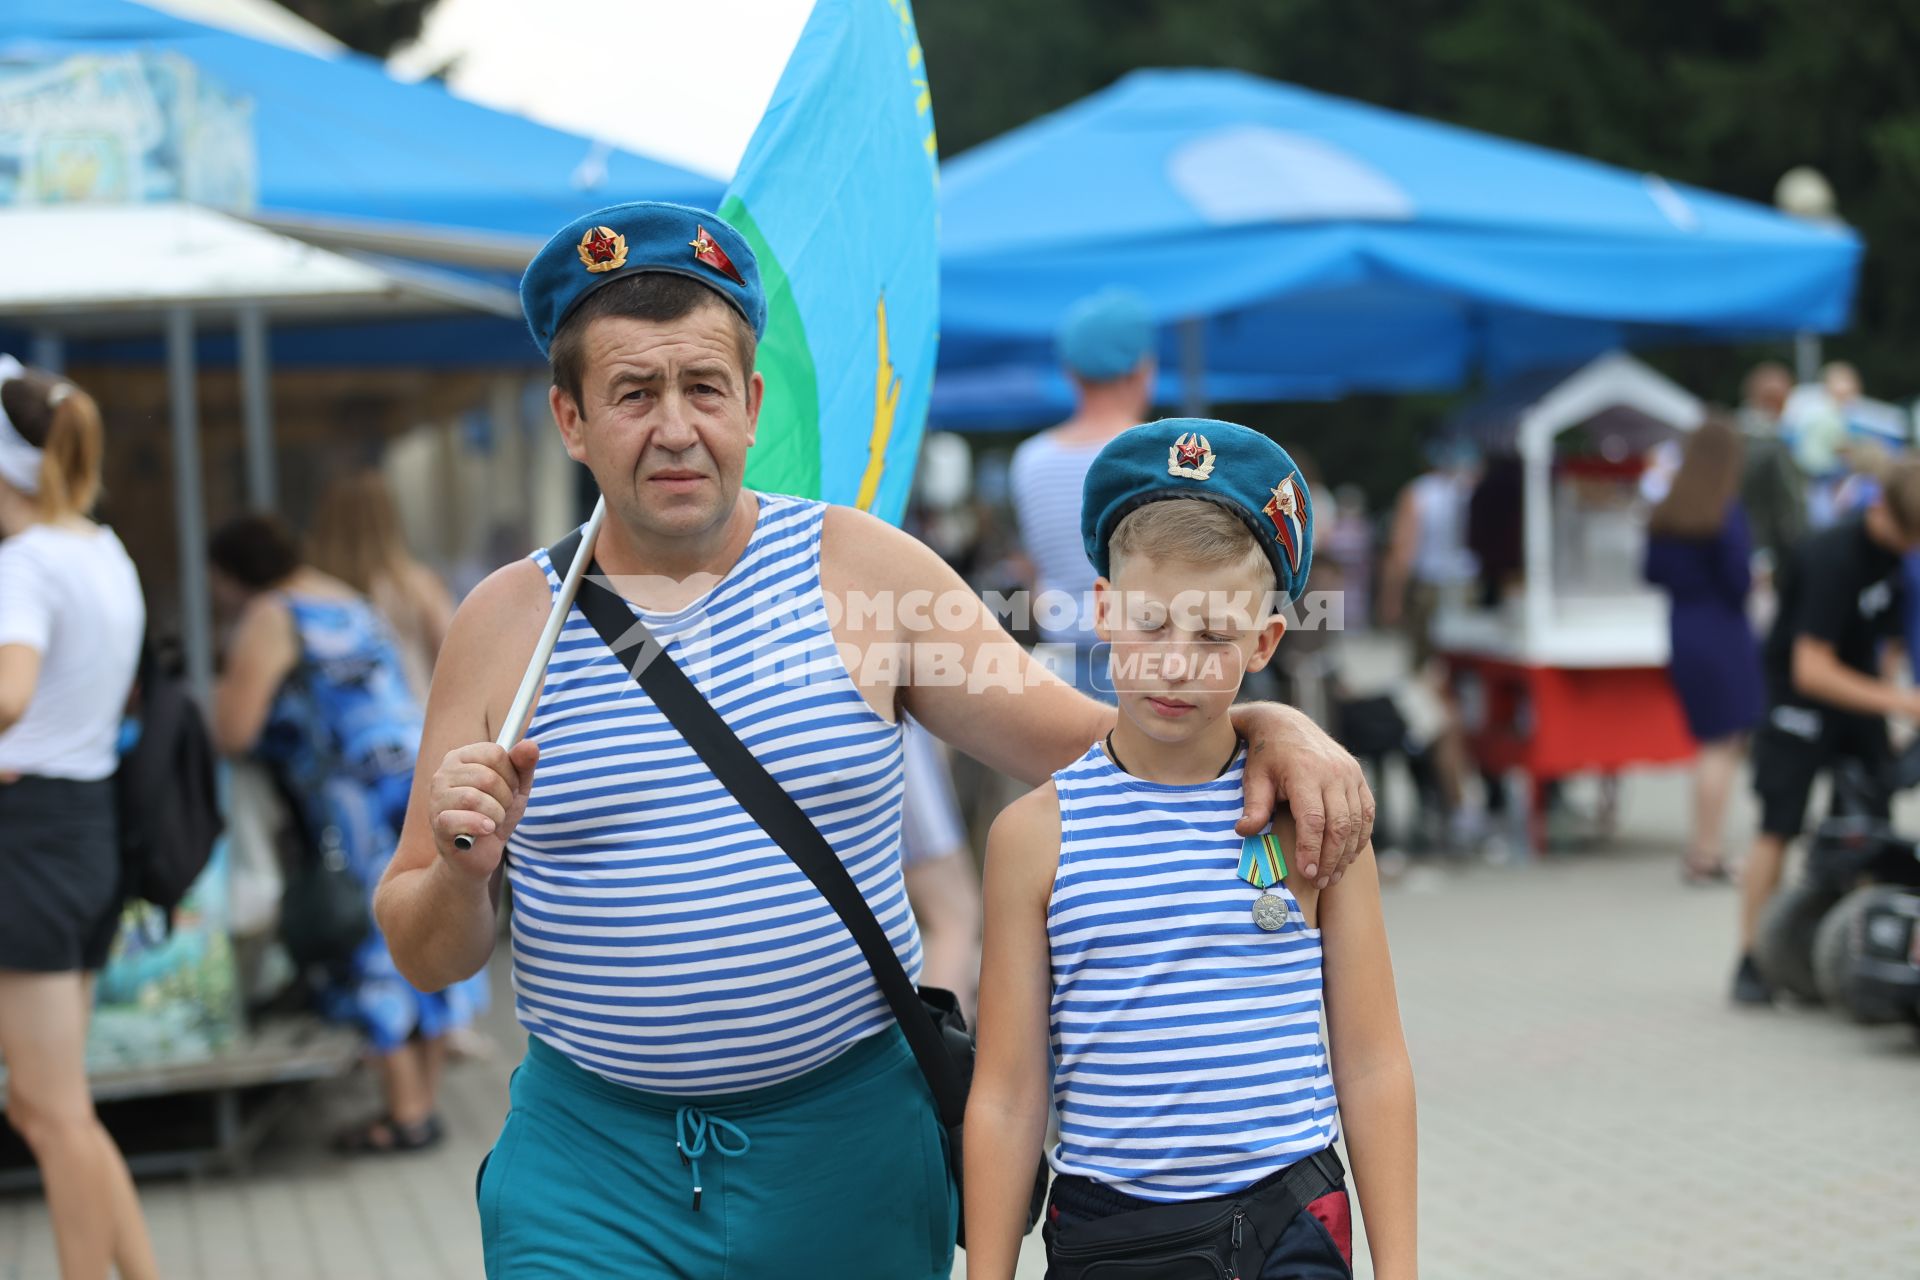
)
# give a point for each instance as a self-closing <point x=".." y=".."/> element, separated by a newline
<point x="837" y="194"/>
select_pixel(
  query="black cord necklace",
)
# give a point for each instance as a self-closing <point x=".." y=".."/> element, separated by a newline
<point x="1238" y="742"/>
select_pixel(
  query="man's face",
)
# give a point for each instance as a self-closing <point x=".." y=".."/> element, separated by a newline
<point x="665" y="418"/>
<point x="1183" y="638"/>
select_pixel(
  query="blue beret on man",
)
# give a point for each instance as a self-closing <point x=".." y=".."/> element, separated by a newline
<point x="626" y="239"/>
<point x="1220" y="462"/>
<point x="1106" y="336"/>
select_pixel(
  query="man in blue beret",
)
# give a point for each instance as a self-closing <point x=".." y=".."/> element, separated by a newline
<point x="1106" y="347"/>
<point x="713" y="1083"/>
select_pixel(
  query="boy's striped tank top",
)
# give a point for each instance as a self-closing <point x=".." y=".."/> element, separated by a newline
<point x="1188" y="1055"/>
<point x="660" y="938"/>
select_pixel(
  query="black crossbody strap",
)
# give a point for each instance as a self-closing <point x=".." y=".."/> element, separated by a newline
<point x="768" y="803"/>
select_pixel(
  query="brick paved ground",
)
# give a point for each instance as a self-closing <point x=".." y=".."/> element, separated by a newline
<point x="1590" y="1107"/>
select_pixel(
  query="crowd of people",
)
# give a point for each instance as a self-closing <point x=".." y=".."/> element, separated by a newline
<point x="1787" y="540"/>
<point x="322" y="675"/>
<point x="715" y="1066"/>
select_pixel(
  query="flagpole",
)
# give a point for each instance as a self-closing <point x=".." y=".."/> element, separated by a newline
<point x="536" y="673"/>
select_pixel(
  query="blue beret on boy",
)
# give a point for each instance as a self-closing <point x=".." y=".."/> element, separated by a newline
<point x="626" y="239"/>
<point x="1106" y="336"/>
<point x="1219" y="462"/>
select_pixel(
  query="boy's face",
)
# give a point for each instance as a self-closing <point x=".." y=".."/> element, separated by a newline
<point x="1183" y="638"/>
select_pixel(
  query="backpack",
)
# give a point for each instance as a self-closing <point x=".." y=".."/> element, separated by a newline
<point x="168" y="803"/>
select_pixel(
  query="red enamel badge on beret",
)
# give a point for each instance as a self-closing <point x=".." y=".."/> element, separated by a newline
<point x="706" y="249"/>
<point x="1190" y="456"/>
<point x="602" y="249"/>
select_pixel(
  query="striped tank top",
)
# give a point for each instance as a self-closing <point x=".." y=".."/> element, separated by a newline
<point x="660" y="938"/>
<point x="1047" y="479"/>
<point x="1188" y="1056"/>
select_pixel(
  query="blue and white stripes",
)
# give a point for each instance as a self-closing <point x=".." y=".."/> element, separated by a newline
<point x="1188" y="1054"/>
<point x="660" y="938"/>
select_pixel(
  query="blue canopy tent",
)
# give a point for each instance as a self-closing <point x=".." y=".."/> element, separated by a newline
<point x="343" y="146"/>
<point x="117" y="102"/>
<point x="1301" y="246"/>
<point x="350" y="158"/>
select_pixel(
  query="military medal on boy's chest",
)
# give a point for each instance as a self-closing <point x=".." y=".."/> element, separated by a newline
<point x="1263" y="865"/>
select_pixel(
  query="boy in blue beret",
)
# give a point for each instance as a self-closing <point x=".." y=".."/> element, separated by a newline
<point x="1171" y="970"/>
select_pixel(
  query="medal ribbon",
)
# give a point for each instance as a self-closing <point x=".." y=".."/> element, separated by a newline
<point x="1263" y="863"/>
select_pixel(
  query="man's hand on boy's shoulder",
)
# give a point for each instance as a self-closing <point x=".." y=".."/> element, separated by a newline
<point x="1292" y="760"/>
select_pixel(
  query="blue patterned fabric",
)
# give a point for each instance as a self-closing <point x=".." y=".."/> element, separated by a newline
<point x="342" y="731"/>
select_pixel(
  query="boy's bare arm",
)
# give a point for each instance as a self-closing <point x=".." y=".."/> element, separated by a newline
<point x="1007" y="1109"/>
<point x="1372" y="1076"/>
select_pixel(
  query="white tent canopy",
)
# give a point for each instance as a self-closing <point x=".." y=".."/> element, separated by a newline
<point x="117" y="265"/>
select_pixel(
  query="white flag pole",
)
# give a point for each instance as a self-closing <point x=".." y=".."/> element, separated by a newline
<point x="522" y="709"/>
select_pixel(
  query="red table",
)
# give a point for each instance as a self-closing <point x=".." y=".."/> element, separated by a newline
<point x="1557" y="721"/>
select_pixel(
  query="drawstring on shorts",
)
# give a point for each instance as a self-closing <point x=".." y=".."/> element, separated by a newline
<point x="692" y="1129"/>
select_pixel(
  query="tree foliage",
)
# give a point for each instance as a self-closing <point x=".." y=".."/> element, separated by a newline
<point x="375" y="27"/>
<point x="1726" y="94"/>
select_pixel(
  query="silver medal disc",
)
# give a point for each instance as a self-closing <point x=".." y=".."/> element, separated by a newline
<point x="1270" y="912"/>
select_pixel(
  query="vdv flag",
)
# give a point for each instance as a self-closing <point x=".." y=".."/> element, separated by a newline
<point x="837" y="195"/>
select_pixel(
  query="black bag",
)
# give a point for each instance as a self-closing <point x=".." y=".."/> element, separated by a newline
<point x="164" y="793"/>
<point x="929" y="1017"/>
<point x="1370" y="726"/>
<point x="1227" y="1236"/>
<point x="324" y="915"/>
<point x="324" y="912"/>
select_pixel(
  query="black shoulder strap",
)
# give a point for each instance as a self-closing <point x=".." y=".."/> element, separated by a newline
<point x="768" y="803"/>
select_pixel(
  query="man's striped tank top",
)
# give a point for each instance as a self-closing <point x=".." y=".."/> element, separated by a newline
<point x="1188" y="1056"/>
<point x="660" y="938"/>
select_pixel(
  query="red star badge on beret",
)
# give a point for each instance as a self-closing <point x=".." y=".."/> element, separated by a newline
<point x="706" y="249"/>
<point x="602" y="249"/>
<point x="1190" y="456"/>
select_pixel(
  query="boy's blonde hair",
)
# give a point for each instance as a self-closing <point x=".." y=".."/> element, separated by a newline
<point x="1191" y="531"/>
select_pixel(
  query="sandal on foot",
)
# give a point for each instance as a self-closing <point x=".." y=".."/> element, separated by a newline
<point x="383" y="1135"/>
<point x="1714" y="872"/>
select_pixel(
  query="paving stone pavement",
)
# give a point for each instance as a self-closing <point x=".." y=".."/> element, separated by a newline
<point x="1591" y="1108"/>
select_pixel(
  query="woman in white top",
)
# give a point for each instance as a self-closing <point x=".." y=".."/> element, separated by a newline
<point x="71" y="618"/>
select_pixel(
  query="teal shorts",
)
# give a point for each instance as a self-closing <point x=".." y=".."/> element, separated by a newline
<point x="841" y="1173"/>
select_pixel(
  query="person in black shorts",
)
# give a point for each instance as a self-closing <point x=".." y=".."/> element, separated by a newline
<point x="1840" y="605"/>
<point x="71" y="622"/>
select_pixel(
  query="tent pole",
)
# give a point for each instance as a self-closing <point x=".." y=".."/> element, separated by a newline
<point x="257" y="406"/>
<point x="49" y="351"/>
<point x="1536" y="456"/>
<point x="1806" y="357"/>
<point x="196" y="627"/>
<point x="1193" y="367"/>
